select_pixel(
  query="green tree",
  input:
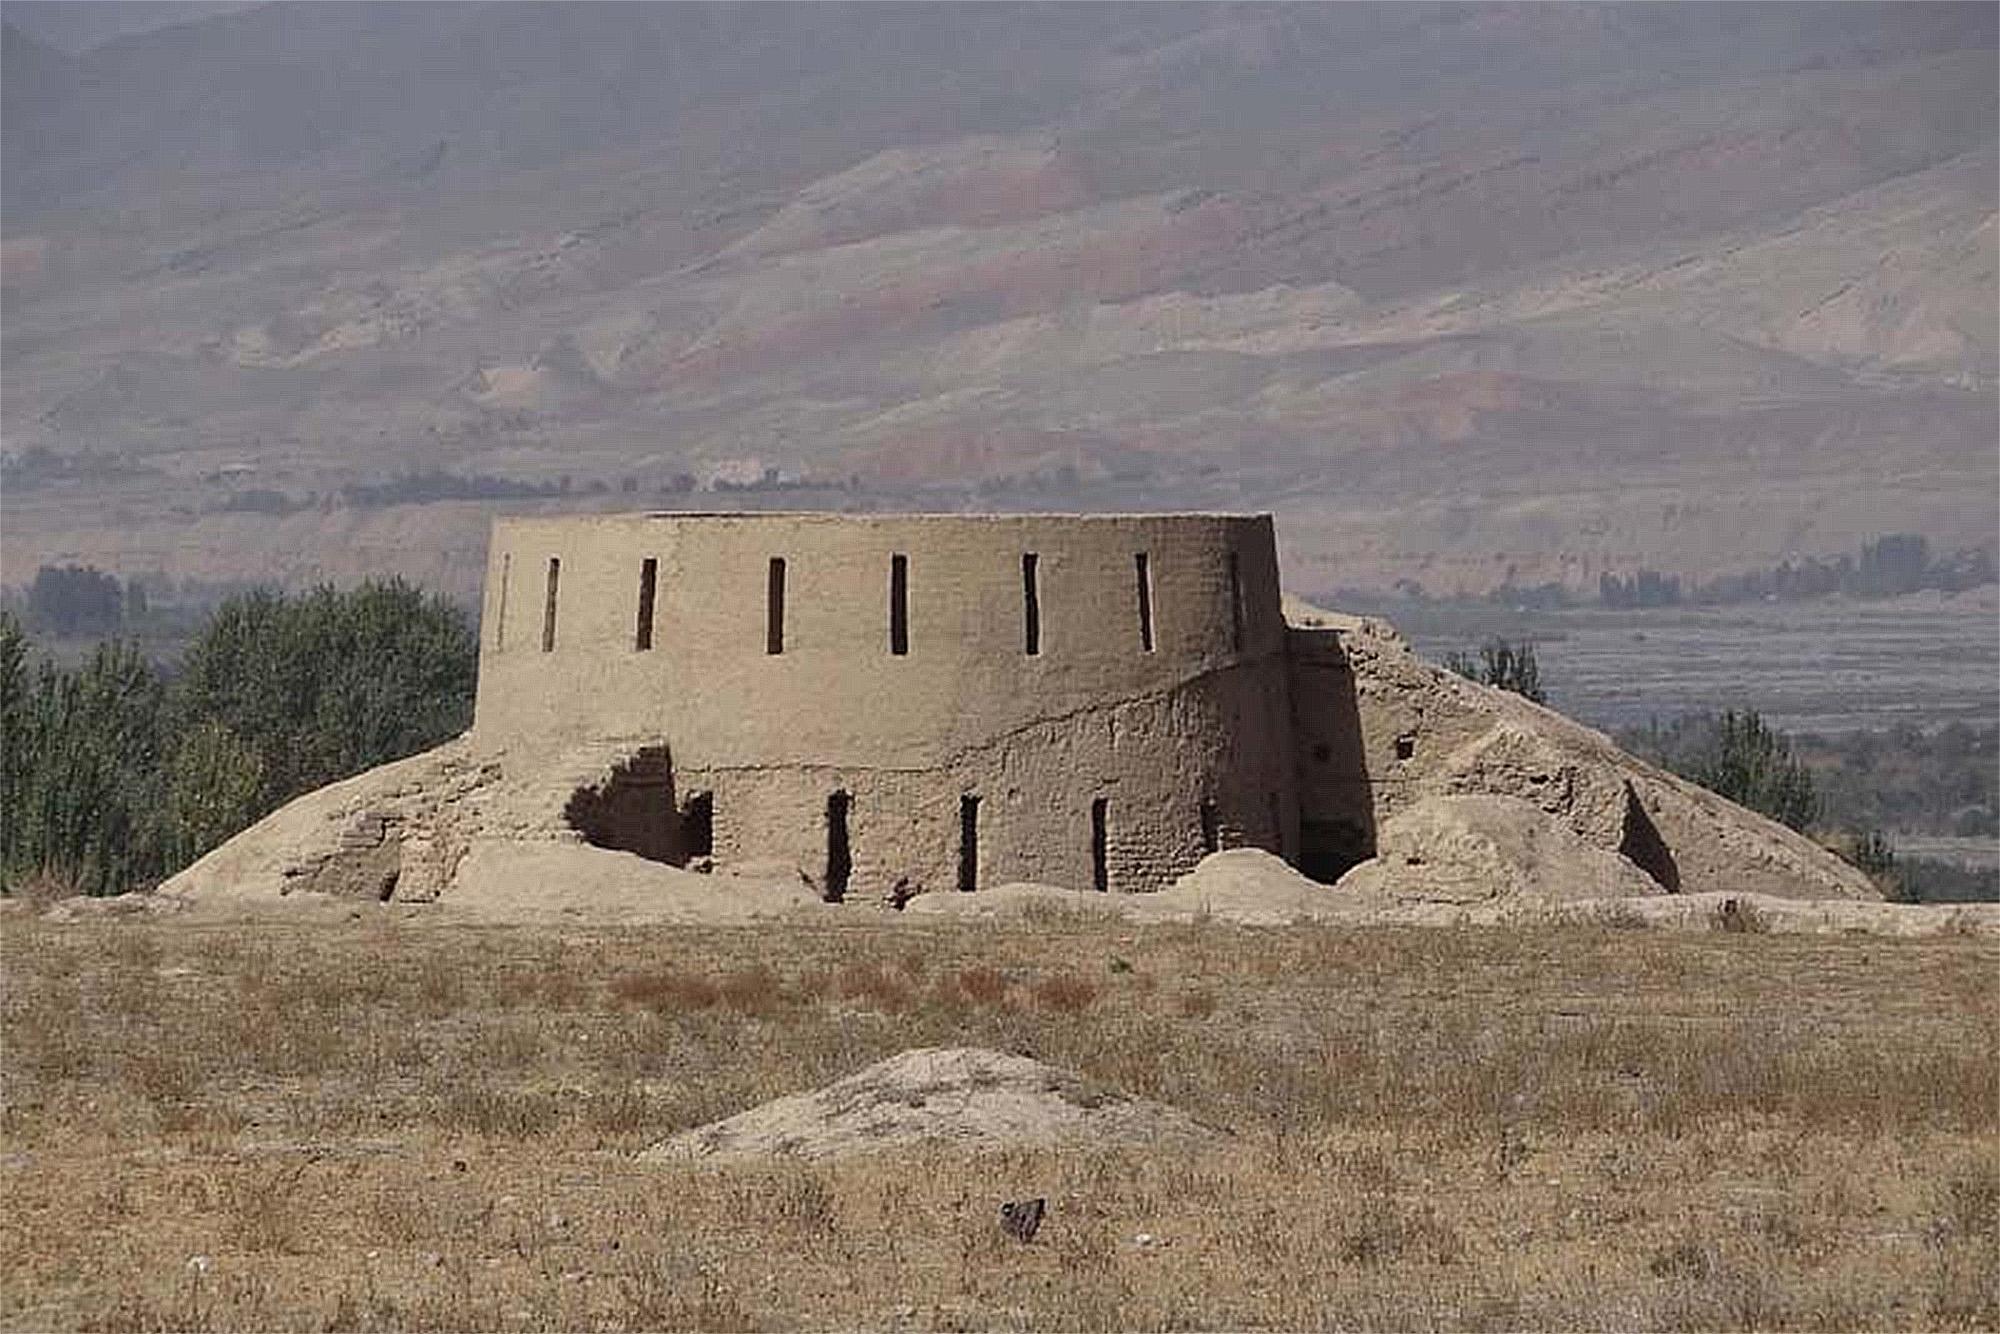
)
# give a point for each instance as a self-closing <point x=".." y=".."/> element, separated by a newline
<point x="75" y="600"/>
<point x="109" y="780"/>
<point x="1753" y="766"/>
<point x="17" y="736"/>
<point x="1873" y="853"/>
<point x="1504" y="665"/>
<point x="1738" y="756"/>
<point x="83" y="780"/>
<point x="214" y="783"/>
<point x="327" y="684"/>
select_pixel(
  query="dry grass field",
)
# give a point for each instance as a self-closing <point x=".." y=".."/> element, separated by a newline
<point x="396" y="1123"/>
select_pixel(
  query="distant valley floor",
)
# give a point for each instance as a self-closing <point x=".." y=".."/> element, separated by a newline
<point x="1822" y="666"/>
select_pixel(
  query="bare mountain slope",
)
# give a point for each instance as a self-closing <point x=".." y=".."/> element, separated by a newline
<point x="1466" y="293"/>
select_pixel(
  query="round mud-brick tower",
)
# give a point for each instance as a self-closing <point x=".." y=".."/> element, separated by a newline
<point x="904" y="703"/>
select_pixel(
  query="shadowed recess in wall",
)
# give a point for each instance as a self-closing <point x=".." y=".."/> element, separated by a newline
<point x="1337" y="801"/>
<point x="1640" y="843"/>
<point x="633" y="810"/>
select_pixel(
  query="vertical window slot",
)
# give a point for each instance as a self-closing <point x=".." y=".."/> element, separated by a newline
<point x="968" y="843"/>
<point x="899" y="605"/>
<point x="549" y="606"/>
<point x="1031" y="603"/>
<point x="839" y="855"/>
<point x="1100" y="860"/>
<point x="1211" y="827"/>
<point x="774" y="607"/>
<point x="500" y="611"/>
<point x="1143" y="568"/>
<point x="649" y="578"/>
<point x="1235" y="603"/>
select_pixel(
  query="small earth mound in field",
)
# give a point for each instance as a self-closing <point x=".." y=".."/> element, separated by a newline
<point x="960" y="1095"/>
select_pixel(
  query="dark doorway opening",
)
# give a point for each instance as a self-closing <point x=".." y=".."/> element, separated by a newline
<point x="1329" y="849"/>
<point x="1100" y="861"/>
<point x="1211" y="827"/>
<point x="968" y="843"/>
<point x="839" y="856"/>
<point x="698" y="824"/>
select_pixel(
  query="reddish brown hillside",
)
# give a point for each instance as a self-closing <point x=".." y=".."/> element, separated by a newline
<point x="1456" y="289"/>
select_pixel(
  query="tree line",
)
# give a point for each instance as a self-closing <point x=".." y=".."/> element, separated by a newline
<point x="1845" y="790"/>
<point x="77" y="600"/>
<point x="77" y="604"/>
<point x="1891" y="565"/>
<point x="115" y="773"/>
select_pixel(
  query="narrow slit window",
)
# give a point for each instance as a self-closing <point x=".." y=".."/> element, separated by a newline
<point x="500" y="611"/>
<point x="1211" y="827"/>
<point x="1100" y="858"/>
<point x="1235" y="602"/>
<point x="549" y="606"/>
<point x="899" y="605"/>
<point x="968" y="843"/>
<point x="649" y="579"/>
<point x="774" y="607"/>
<point x="1031" y="603"/>
<point x="839" y="854"/>
<point x="1142" y="568"/>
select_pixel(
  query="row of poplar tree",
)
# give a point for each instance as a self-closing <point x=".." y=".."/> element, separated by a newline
<point x="115" y="772"/>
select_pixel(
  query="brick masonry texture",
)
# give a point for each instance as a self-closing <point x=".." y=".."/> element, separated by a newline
<point x="1200" y="718"/>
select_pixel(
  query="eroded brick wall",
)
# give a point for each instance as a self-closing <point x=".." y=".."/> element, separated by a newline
<point x="1038" y="663"/>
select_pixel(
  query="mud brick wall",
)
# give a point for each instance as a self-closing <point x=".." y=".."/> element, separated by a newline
<point x="904" y="703"/>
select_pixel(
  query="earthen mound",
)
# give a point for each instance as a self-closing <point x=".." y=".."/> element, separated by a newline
<point x="1421" y="733"/>
<point x="1480" y="849"/>
<point x="1255" y="888"/>
<point x="1243" y="886"/>
<point x="965" y="1096"/>
<point x="484" y="833"/>
<point x="1453" y="861"/>
<point x="1023" y="898"/>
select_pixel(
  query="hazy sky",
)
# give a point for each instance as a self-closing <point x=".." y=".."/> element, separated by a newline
<point x="78" y="25"/>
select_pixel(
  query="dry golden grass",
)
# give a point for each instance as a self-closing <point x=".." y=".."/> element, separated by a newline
<point x="399" y="1124"/>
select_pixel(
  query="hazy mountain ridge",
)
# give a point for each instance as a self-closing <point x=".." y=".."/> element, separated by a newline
<point x="1459" y="291"/>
